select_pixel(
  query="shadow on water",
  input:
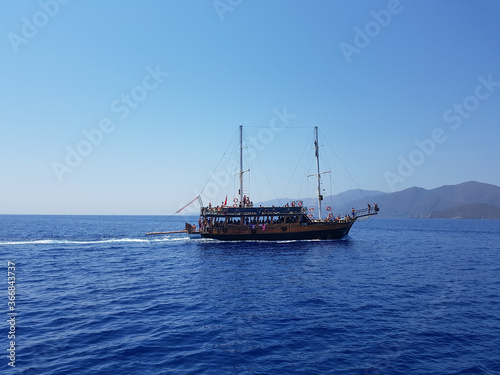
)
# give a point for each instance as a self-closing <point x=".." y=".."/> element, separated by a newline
<point x="262" y="248"/>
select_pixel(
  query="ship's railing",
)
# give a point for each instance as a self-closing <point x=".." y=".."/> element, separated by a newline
<point x="278" y="211"/>
<point x="361" y="212"/>
<point x="346" y="217"/>
<point x="251" y="211"/>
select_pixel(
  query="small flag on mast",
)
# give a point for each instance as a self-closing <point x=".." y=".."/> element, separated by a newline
<point x="225" y="202"/>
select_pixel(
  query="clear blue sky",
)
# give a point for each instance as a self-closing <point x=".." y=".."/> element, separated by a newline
<point x="374" y="76"/>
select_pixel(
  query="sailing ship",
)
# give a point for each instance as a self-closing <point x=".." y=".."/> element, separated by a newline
<point x="294" y="221"/>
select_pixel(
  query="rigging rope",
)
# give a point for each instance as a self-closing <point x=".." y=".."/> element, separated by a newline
<point x="213" y="172"/>
<point x="265" y="174"/>
<point x="296" y="167"/>
<point x="352" y="178"/>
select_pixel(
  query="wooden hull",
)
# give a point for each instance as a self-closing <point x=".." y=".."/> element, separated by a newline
<point x="319" y="231"/>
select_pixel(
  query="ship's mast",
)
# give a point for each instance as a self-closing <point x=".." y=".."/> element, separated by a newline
<point x="316" y="150"/>
<point x="241" y="166"/>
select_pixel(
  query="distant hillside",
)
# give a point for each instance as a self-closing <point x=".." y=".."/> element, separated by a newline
<point x="469" y="211"/>
<point x="469" y="200"/>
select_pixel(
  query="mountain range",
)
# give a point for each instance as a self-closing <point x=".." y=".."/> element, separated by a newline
<point x="468" y="200"/>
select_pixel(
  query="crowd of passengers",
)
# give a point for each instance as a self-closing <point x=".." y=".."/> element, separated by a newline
<point x="254" y="221"/>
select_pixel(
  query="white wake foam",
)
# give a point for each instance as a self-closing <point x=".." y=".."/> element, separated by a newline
<point x="92" y="242"/>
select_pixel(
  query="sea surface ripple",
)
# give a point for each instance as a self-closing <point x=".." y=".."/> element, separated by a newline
<point x="94" y="295"/>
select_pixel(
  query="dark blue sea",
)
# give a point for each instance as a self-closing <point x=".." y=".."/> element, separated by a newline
<point x="94" y="295"/>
